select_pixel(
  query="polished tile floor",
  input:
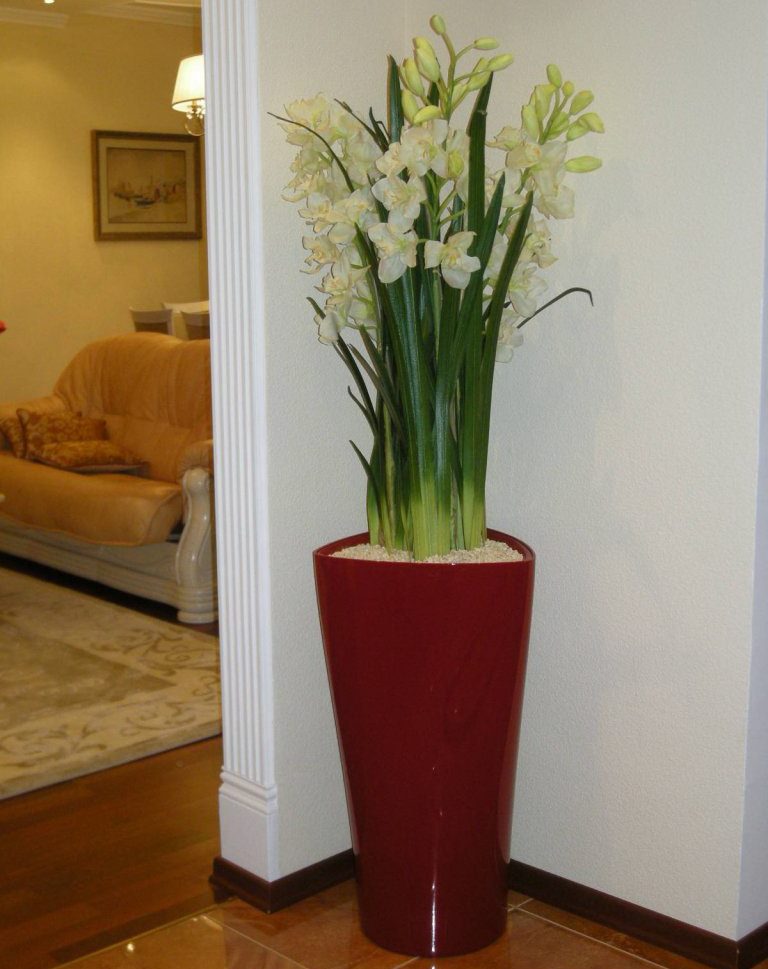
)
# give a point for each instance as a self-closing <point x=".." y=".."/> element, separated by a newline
<point x="322" y="933"/>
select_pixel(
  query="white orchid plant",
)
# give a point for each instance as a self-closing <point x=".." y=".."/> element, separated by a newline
<point x="433" y="261"/>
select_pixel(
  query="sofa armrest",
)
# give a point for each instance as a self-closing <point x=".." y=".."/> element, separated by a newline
<point x="196" y="553"/>
<point x="197" y="455"/>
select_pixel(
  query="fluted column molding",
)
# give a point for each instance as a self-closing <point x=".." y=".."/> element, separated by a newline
<point x="248" y="795"/>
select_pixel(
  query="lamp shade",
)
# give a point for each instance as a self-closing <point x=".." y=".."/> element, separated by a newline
<point x="190" y="83"/>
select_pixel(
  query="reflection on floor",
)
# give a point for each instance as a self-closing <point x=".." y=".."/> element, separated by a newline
<point x="322" y="933"/>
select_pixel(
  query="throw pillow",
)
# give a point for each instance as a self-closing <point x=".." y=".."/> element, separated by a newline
<point x="88" y="457"/>
<point x="56" y="428"/>
<point x="10" y="428"/>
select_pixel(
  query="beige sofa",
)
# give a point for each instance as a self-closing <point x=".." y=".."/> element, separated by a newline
<point x="149" y="532"/>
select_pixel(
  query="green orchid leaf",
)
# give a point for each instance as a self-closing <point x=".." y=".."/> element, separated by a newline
<point x="565" y="292"/>
<point x="394" y="101"/>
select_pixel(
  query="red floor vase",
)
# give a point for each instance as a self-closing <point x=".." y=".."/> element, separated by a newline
<point x="426" y="665"/>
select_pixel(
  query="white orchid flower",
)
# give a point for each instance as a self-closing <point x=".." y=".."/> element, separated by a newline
<point x="537" y="245"/>
<point x="510" y="338"/>
<point x="311" y="159"/>
<point x="339" y="284"/>
<point x="313" y="112"/>
<point x="397" y="250"/>
<point x="507" y="139"/>
<point x="317" y="211"/>
<point x="452" y="161"/>
<point x="549" y="167"/>
<point x="401" y="199"/>
<point x="329" y="326"/>
<point x="496" y="258"/>
<point x="360" y="155"/>
<point x="558" y="204"/>
<point x="526" y="154"/>
<point x="342" y="126"/>
<point x="391" y="162"/>
<point x="299" y="187"/>
<point x="451" y="256"/>
<point x="299" y="136"/>
<point x="362" y="308"/>
<point x="551" y="197"/>
<point x="511" y="198"/>
<point x="524" y="287"/>
<point x="322" y="252"/>
<point x="420" y="145"/>
<point x="357" y="209"/>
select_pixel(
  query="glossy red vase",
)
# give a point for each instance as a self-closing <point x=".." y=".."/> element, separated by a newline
<point x="426" y="665"/>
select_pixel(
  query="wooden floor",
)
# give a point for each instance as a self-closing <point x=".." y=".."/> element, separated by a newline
<point x="96" y="860"/>
<point x="99" y="859"/>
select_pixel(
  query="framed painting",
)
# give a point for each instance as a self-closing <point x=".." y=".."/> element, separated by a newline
<point x="145" y="186"/>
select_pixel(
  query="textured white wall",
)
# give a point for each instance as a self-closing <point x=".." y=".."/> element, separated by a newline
<point x="625" y="450"/>
<point x="317" y="487"/>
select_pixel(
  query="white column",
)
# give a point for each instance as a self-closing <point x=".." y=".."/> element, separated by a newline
<point x="248" y="795"/>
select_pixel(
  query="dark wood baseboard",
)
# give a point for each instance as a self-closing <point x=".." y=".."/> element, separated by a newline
<point x="642" y="923"/>
<point x="753" y="948"/>
<point x="229" y="879"/>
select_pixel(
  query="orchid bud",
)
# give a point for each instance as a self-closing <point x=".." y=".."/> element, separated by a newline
<point x="412" y="78"/>
<point x="582" y="100"/>
<point x="576" y="130"/>
<point x="530" y="120"/>
<point x="554" y="75"/>
<point x="499" y="62"/>
<point x="459" y="92"/>
<point x="584" y="163"/>
<point x="477" y="80"/>
<point x="558" y="124"/>
<point x="593" y="121"/>
<point x="543" y="98"/>
<point x="567" y="88"/>
<point x="486" y="43"/>
<point x="426" y="59"/>
<point x="427" y="113"/>
<point x="437" y="24"/>
<point x="455" y="164"/>
<point x="410" y="105"/>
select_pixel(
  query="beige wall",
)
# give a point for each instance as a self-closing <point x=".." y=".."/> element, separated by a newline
<point x="59" y="288"/>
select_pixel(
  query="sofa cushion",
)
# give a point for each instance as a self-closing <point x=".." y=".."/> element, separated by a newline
<point x="43" y="429"/>
<point x="88" y="457"/>
<point x="153" y="390"/>
<point x="108" y="509"/>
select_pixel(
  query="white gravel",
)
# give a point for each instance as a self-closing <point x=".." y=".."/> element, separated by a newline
<point x="490" y="552"/>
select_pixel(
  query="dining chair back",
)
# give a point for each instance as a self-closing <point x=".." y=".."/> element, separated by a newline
<point x="152" y="321"/>
<point x="197" y="325"/>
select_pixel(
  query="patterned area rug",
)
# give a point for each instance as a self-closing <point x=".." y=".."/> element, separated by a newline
<point x="86" y="685"/>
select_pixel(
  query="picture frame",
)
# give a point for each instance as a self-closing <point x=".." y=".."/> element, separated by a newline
<point x="145" y="186"/>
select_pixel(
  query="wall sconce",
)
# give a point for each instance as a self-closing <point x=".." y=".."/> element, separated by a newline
<point x="189" y="93"/>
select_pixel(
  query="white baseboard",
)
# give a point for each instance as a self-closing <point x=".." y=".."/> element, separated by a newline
<point x="248" y="821"/>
